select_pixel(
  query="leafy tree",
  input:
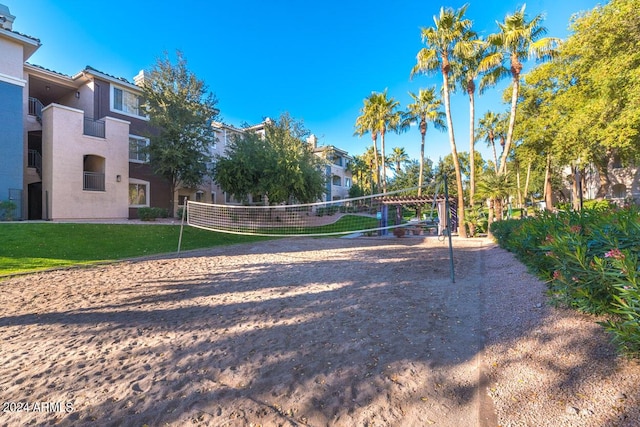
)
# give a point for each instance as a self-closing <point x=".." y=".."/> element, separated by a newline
<point x="424" y="109"/>
<point x="181" y="110"/>
<point x="517" y="40"/>
<point x="600" y="87"/>
<point x="444" y="43"/>
<point x="410" y="175"/>
<point x="281" y="165"/>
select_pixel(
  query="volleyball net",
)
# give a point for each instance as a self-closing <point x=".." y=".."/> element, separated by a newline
<point x="366" y="214"/>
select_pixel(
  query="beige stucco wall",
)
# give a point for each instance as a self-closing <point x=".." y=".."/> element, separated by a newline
<point x="12" y="58"/>
<point x="63" y="149"/>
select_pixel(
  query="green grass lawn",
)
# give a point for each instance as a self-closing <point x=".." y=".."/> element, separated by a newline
<point x="26" y="247"/>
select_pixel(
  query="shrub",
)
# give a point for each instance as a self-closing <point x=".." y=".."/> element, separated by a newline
<point x="7" y="210"/>
<point x="589" y="260"/>
<point x="150" y="214"/>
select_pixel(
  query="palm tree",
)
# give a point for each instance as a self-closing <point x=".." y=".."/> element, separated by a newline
<point x="399" y="156"/>
<point x="365" y="123"/>
<point x="371" y="159"/>
<point x="517" y="40"/>
<point x="385" y="118"/>
<point x="444" y="42"/>
<point x="425" y="109"/>
<point x="487" y="130"/>
<point x="495" y="187"/>
<point x="466" y="75"/>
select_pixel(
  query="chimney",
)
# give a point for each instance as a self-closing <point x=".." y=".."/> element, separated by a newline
<point x="6" y="18"/>
<point x="313" y="140"/>
<point x="139" y="78"/>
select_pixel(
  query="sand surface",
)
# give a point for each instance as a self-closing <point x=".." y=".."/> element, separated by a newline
<point x="339" y="332"/>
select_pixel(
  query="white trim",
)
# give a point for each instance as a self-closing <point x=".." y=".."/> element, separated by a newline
<point x="12" y="80"/>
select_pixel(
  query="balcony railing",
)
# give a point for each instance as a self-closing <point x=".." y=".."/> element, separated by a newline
<point x="94" y="127"/>
<point x="35" y="108"/>
<point x="35" y="161"/>
<point x="93" y="181"/>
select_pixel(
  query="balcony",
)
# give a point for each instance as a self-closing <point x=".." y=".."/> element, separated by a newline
<point x="94" y="127"/>
<point x="35" y="108"/>
<point x="93" y="181"/>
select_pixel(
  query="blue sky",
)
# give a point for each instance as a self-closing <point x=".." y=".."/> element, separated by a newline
<point x="315" y="60"/>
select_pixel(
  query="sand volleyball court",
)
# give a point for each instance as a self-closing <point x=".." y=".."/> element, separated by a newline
<point x="297" y="332"/>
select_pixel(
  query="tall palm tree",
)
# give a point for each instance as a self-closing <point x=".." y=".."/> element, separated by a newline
<point x="444" y="42"/>
<point x="466" y="74"/>
<point x="487" y="130"/>
<point x="517" y="40"/>
<point x="366" y="123"/>
<point x="386" y="118"/>
<point x="400" y="157"/>
<point x="424" y="109"/>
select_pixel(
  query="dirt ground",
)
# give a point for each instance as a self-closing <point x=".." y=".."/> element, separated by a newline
<point x="296" y="332"/>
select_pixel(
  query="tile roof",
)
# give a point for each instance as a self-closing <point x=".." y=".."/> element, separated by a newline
<point x="23" y="35"/>
<point x="47" y="69"/>
<point x="122" y="79"/>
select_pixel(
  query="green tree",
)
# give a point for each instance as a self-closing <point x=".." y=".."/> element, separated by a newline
<point x="444" y="43"/>
<point x="281" y="165"/>
<point x="424" y="109"/>
<point x="181" y="110"/>
<point x="517" y="40"/>
<point x="410" y="175"/>
<point x="600" y="88"/>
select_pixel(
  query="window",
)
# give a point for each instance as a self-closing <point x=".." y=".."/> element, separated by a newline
<point x="347" y="182"/>
<point x="137" y="149"/>
<point x="619" y="191"/>
<point x="126" y="102"/>
<point x="199" y="196"/>
<point x="138" y="193"/>
<point x="335" y="180"/>
<point x="93" y="173"/>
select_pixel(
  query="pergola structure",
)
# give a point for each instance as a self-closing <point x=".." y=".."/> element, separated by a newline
<point x="437" y="202"/>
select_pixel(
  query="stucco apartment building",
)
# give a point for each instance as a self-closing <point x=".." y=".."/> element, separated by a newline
<point x="70" y="145"/>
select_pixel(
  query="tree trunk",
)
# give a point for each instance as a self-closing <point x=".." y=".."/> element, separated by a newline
<point x="495" y="154"/>
<point x="472" y="151"/>
<point x="526" y="182"/>
<point x="548" y="190"/>
<point x="518" y="184"/>
<point x="512" y="122"/>
<point x="384" y="167"/>
<point x="454" y="153"/>
<point x="420" y="179"/>
<point x="605" y="182"/>
<point x="374" y="137"/>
